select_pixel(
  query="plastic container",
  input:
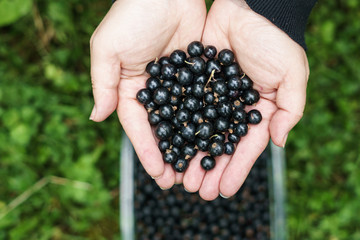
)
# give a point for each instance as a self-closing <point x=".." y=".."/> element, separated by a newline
<point x="255" y="212"/>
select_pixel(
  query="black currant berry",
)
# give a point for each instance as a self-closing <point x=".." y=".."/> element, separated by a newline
<point x="152" y="83"/>
<point x="201" y="79"/>
<point x="175" y="122"/>
<point x="151" y="106"/>
<point x="220" y="88"/>
<point x="175" y="100"/>
<point x="153" y="68"/>
<point x="222" y="99"/>
<point x="164" y="130"/>
<point x="212" y="65"/>
<point x="166" y="111"/>
<point x="237" y="104"/>
<point x="196" y="65"/>
<point x="164" y="60"/>
<point x="210" y="112"/>
<point x="192" y="103"/>
<point x="188" y="132"/>
<point x="183" y="115"/>
<point x="233" y="94"/>
<point x="202" y="145"/>
<point x="204" y="130"/>
<point x="233" y="138"/>
<point x="197" y="118"/>
<point x="154" y="117"/>
<point x="185" y="76"/>
<point x="250" y="96"/>
<point x="180" y="165"/>
<point x="176" y="150"/>
<point x="178" y="140"/>
<point x="170" y="156"/>
<point x="209" y="98"/>
<point x="168" y="71"/>
<point x="247" y="83"/>
<point x="188" y="90"/>
<point x="208" y="163"/>
<point x="254" y="116"/>
<point x="210" y="52"/>
<point x="198" y="90"/>
<point x="195" y="49"/>
<point x="224" y="109"/>
<point x="168" y="83"/>
<point x="233" y="69"/>
<point x="226" y="57"/>
<point x="229" y="148"/>
<point x="218" y="137"/>
<point x="221" y="124"/>
<point x="161" y="96"/>
<point x="143" y="96"/>
<point x="176" y="89"/>
<point x="216" y="148"/>
<point x="234" y="83"/>
<point x="178" y="58"/>
<point x="189" y="151"/>
<point x="163" y="145"/>
<point x="241" y="129"/>
<point x="239" y="115"/>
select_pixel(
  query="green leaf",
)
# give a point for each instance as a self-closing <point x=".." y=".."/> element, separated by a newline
<point x="12" y="10"/>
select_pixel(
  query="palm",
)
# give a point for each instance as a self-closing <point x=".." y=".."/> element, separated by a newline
<point x="140" y="32"/>
<point x="269" y="57"/>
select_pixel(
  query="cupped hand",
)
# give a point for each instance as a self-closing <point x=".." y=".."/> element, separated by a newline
<point x="133" y="33"/>
<point x="279" y="68"/>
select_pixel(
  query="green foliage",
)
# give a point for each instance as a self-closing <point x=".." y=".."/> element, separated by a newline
<point x="12" y="10"/>
<point x="45" y="103"/>
<point x="323" y="150"/>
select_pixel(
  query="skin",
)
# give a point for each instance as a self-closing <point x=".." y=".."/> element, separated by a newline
<point x="277" y="65"/>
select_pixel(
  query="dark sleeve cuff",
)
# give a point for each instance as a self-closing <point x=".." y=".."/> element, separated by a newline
<point x="289" y="15"/>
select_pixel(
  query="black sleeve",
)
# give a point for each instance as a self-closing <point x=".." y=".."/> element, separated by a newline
<point x="289" y="15"/>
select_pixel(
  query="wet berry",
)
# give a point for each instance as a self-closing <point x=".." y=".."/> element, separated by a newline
<point x="169" y="156"/>
<point x="161" y="96"/>
<point x="189" y="151"/>
<point x="233" y="138"/>
<point x="178" y="58"/>
<point x="183" y="115"/>
<point x="185" y="76"/>
<point x="192" y="104"/>
<point x="154" y="117"/>
<point x="210" y="112"/>
<point x="250" y="96"/>
<point x="218" y="137"/>
<point x="220" y="88"/>
<point x="163" y="145"/>
<point x="180" y="165"/>
<point x="168" y="71"/>
<point x="246" y="83"/>
<point x="201" y="79"/>
<point x="198" y="90"/>
<point x="239" y="115"/>
<point x="196" y="65"/>
<point x="197" y="118"/>
<point x="152" y="83"/>
<point x="212" y="65"/>
<point x="153" y="68"/>
<point x="176" y="89"/>
<point x="188" y="132"/>
<point x="216" y="148"/>
<point x="233" y="69"/>
<point x="241" y="129"/>
<point x="229" y="148"/>
<point x="221" y="124"/>
<point x="163" y="130"/>
<point x="226" y="57"/>
<point x="144" y="96"/>
<point x="178" y="140"/>
<point x="208" y="163"/>
<point x="164" y="60"/>
<point x="224" y="109"/>
<point x="209" y="98"/>
<point x="166" y="111"/>
<point x="254" y="116"/>
<point x="210" y="52"/>
<point x="195" y="49"/>
<point x="234" y="83"/>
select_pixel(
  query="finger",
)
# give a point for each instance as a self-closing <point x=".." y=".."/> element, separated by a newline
<point x="167" y="180"/>
<point x="247" y="151"/>
<point x="105" y="76"/>
<point x="209" y="189"/>
<point x="194" y="174"/>
<point x="179" y="177"/>
<point x="290" y="99"/>
<point x="134" y="120"/>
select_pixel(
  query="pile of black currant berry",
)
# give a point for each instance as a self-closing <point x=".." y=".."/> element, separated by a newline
<point x="196" y="104"/>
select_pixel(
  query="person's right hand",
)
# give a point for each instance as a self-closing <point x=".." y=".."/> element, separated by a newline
<point x="133" y="33"/>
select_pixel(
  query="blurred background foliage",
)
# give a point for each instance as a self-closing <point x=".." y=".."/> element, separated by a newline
<point x="45" y="102"/>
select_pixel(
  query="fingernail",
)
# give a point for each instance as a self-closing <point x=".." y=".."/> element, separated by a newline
<point x="284" y="140"/>
<point x="156" y="177"/>
<point x="186" y="190"/>
<point x="93" y="113"/>
<point x="223" y="196"/>
<point x="164" y="188"/>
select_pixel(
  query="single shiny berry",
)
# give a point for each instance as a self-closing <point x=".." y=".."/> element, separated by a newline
<point x="176" y="89"/>
<point x="250" y="96"/>
<point x="188" y="132"/>
<point x="164" y="130"/>
<point x="241" y="129"/>
<point x="212" y="65"/>
<point x="233" y="138"/>
<point x="234" y="83"/>
<point x="226" y="57"/>
<point x="196" y="65"/>
<point x="168" y="71"/>
<point x="178" y="58"/>
<point x="143" y="96"/>
<point x="175" y="100"/>
<point x="218" y="137"/>
<point x="176" y="150"/>
<point x="153" y="68"/>
<point x="224" y="109"/>
<point x="210" y="52"/>
<point x="189" y="151"/>
<point x="192" y="103"/>
<point x="185" y="76"/>
<point x="197" y="118"/>
<point x="220" y="88"/>
<point x="198" y="90"/>
<point x="209" y="98"/>
<point x="152" y="83"/>
<point x="210" y="112"/>
<point x="229" y="148"/>
<point x="164" y="60"/>
<point x="195" y="49"/>
<point x="161" y="96"/>
<point x="208" y="163"/>
<point x="237" y="104"/>
<point x="169" y="156"/>
<point x="183" y="115"/>
<point x="180" y="165"/>
<point x="166" y="111"/>
<point x="178" y="140"/>
<point x="175" y="122"/>
<point x="168" y="83"/>
<point x="151" y="106"/>
<point x="204" y="130"/>
<point x="246" y="83"/>
<point x="254" y="116"/>
<point x="163" y="145"/>
<point x="154" y="117"/>
<point x="233" y="94"/>
<point x="221" y="124"/>
<point x="233" y="69"/>
<point x="239" y="115"/>
<point x="202" y="144"/>
<point x="201" y="79"/>
<point x="216" y="148"/>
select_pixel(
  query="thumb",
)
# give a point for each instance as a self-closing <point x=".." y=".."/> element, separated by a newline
<point x="290" y="100"/>
<point x="105" y="77"/>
